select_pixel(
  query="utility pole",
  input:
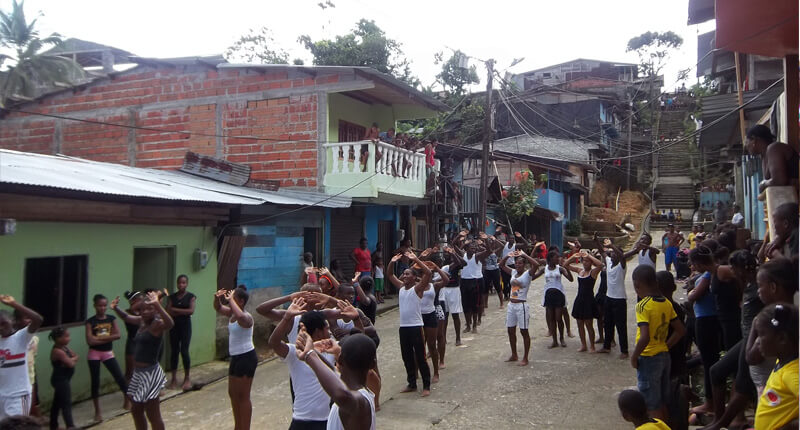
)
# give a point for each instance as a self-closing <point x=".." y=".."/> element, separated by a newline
<point x="487" y="138"/>
<point x="630" y="134"/>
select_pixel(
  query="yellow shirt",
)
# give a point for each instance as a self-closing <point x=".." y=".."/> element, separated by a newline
<point x="657" y="425"/>
<point x="656" y="312"/>
<point x="778" y="403"/>
<point x="692" y="245"/>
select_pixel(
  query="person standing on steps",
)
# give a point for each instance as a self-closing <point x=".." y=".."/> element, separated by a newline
<point x="411" y="289"/>
<point x="518" y="312"/>
<point x="181" y="307"/>
<point x="101" y="332"/>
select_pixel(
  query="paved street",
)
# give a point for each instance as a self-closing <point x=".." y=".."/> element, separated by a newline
<point x="561" y="388"/>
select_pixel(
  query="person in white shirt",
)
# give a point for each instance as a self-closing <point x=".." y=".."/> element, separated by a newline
<point x="353" y="403"/>
<point x="616" y="306"/>
<point x="310" y="408"/>
<point x="738" y="218"/>
<point x="518" y="312"/>
<point x="15" y="385"/>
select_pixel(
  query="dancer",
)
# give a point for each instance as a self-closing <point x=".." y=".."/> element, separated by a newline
<point x="412" y="347"/>
<point x="584" y="309"/>
<point x="452" y="292"/>
<point x="440" y="307"/>
<point x="244" y="359"/>
<point x="554" y="299"/>
<point x="148" y="377"/>
<point x="650" y="357"/>
<point x="491" y="280"/>
<point x="647" y="253"/>
<point x="353" y="403"/>
<point x="430" y="318"/>
<point x="311" y="405"/>
<point x="16" y="398"/>
<point x="518" y="312"/>
<point x="181" y="307"/>
<point x="63" y="360"/>
<point x="777" y="336"/>
<point x="135" y="300"/>
<point x="616" y="302"/>
<point x="471" y="279"/>
<point x="101" y="332"/>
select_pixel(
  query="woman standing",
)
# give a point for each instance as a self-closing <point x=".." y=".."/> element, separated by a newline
<point x="148" y="376"/>
<point x="101" y="332"/>
<point x="430" y="318"/>
<point x="554" y="299"/>
<point x="135" y="299"/>
<point x="243" y="354"/>
<point x="63" y="360"/>
<point x="412" y="346"/>
<point x="584" y="309"/>
<point x="518" y="312"/>
<point x="181" y="307"/>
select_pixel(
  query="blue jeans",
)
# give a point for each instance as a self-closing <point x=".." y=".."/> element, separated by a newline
<point x="652" y="379"/>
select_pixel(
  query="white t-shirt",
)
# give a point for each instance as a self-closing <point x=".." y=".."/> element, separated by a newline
<point x="14" y="379"/>
<point x="335" y="421"/>
<point x="378" y="272"/>
<point x="520" y="293"/>
<point x="410" y="305"/>
<point x="737" y="218"/>
<point x="311" y="402"/>
<point x="615" y="280"/>
<point x="295" y="329"/>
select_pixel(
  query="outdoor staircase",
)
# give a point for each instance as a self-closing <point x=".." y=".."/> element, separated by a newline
<point x="674" y="186"/>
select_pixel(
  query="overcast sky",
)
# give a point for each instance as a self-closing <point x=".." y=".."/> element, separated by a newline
<point x="544" y="32"/>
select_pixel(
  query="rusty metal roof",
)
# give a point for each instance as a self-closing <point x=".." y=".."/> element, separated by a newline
<point x="115" y="180"/>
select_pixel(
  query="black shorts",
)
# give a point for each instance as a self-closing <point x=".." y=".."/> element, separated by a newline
<point x="430" y="320"/>
<point x="554" y="299"/>
<point x="244" y="364"/>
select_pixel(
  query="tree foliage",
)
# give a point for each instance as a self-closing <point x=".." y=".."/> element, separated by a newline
<point x="366" y="45"/>
<point x="256" y="47"/>
<point x="28" y="72"/>
<point x="653" y="49"/>
<point x="454" y="78"/>
<point x="519" y="199"/>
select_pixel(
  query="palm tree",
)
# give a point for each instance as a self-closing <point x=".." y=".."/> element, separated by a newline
<point x="27" y="72"/>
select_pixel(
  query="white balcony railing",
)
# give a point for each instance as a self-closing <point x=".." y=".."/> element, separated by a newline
<point x="368" y="169"/>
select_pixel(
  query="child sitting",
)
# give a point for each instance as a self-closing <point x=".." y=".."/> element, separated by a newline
<point x="650" y="357"/>
<point x="634" y="410"/>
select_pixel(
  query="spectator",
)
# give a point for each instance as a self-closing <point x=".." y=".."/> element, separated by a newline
<point x="738" y="218"/>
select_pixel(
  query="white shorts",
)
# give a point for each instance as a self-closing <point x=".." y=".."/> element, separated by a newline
<point x="518" y="315"/>
<point x="15" y="405"/>
<point x="453" y="299"/>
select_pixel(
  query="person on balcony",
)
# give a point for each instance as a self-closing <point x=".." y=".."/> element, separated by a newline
<point x="780" y="162"/>
<point x="387" y="136"/>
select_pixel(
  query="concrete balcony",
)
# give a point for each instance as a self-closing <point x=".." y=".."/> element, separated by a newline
<point x="389" y="174"/>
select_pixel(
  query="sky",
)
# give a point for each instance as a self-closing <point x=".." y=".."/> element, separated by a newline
<point x="543" y="32"/>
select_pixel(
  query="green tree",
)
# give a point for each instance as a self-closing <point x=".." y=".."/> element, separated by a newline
<point x="454" y="78"/>
<point x="27" y="72"/>
<point x="256" y="47"/>
<point x="653" y="49"/>
<point x="367" y="46"/>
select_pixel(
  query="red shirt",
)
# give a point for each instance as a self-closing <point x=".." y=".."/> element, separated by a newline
<point x="429" y="154"/>
<point x="363" y="260"/>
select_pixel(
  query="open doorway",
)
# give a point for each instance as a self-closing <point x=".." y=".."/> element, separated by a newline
<point x="155" y="268"/>
<point x="312" y="242"/>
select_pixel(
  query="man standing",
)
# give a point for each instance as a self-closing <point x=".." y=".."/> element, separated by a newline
<point x="674" y="241"/>
<point x="15" y="386"/>
<point x="362" y="258"/>
<point x="720" y="214"/>
<point x="738" y="218"/>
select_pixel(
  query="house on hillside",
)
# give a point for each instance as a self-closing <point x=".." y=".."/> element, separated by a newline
<point x="293" y="126"/>
<point x="85" y="227"/>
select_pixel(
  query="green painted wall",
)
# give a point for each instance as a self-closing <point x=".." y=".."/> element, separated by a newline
<point x="341" y="107"/>
<point x="110" y="248"/>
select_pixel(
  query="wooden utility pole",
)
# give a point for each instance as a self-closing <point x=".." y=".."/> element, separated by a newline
<point x="630" y="134"/>
<point x="487" y="138"/>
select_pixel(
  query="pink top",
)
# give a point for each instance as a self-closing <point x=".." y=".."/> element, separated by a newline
<point x="429" y="154"/>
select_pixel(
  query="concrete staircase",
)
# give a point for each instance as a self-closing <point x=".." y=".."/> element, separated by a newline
<point x="674" y="187"/>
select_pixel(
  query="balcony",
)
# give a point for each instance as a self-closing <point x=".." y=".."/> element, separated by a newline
<point x="397" y="175"/>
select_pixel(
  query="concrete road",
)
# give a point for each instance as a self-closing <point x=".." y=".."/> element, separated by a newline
<point x="560" y="389"/>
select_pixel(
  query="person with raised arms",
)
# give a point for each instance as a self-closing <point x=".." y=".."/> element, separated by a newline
<point x="518" y="312"/>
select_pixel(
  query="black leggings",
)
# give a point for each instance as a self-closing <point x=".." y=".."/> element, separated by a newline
<point x="113" y="368"/>
<point x="491" y="280"/>
<point x="731" y="330"/>
<point x="734" y="363"/>
<point x="412" y="348"/>
<point x="179" y="338"/>
<point x="616" y="315"/>
<point x="706" y="332"/>
<point x="62" y="401"/>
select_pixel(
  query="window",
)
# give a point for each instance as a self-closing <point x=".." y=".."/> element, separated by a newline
<point x="547" y="75"/>
<point x="349" y="132"/>
<point x="56" y="287"/>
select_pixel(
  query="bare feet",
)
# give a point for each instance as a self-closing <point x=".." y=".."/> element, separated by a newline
<point x="569" y="334"/>
<point x="600" y="341"/>
<point x="603" y="351"/>
<point x="425" y="393"/>
<point x="458" y="342"/>
<point x="512" y="358"/>
<point x="563" y="344"/>
<point x="524" y="362"/>
<point x="475" y="329"/>
<point x="435" y="379"/>
<point x="582" y="349"/>
<point x="553" y="345"/>
<point x="468" y="329"/>
<point x="442" y="366"/>
<point x="98" y="418"/>
<point x="591" y="350"/>
<point x="408" y="389"/>
<point x="187" y="385"/>
<point x="623" y="356"/>
<point x="702" y="409"/>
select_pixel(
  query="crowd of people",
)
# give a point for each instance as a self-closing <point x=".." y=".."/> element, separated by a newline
<point x="739" y="316"/>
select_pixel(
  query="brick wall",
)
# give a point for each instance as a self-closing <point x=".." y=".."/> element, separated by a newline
<point x="278" y="106"/>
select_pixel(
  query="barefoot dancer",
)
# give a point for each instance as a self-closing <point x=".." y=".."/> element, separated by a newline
<point x="181" y="307"/>
<point x="101" y="332"/>
<point x="518" y="312"/>
<point x="148" y="378"/>
<point x="616" y="303"/>
<point x="412" y="347"/>
<point x="554" y="298"/>
<point x="244" y="359"/>
<point x="135" y="300"/>
<point x="584" y="309"/>
<point x="452" y="294"/>
<point x="430" y="318"/>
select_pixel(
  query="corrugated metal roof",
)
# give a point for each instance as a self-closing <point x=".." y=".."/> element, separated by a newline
<point x="76" y="174"/>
